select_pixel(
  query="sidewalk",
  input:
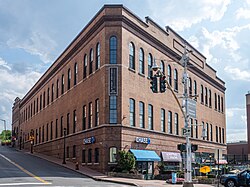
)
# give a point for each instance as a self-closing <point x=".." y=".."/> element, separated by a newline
<point x="102" y="177"/>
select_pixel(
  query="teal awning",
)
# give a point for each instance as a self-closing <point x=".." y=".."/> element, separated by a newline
<point x="145" y="155"/>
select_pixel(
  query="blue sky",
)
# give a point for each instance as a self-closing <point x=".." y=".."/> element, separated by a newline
<point x="34" y="33"/>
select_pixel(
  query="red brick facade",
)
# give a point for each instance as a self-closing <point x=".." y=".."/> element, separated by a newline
<point x="41" y="114"/>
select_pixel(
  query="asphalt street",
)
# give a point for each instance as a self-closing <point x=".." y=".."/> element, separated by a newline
<point x="20" y="169"/>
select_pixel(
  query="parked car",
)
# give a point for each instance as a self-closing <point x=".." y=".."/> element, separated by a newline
<point x="231" y="180"/>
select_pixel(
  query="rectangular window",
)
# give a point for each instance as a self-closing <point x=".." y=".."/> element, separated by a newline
<point x="36" y="136"/>
<point x="41" y="100"/>
<point x="36" y="105"/>
<point x="223" y="136"/>
<point x="47" y="132"/>
<point x="52" y="93"/>
<point x="74" y="151"/>
<point x="75" y="74"/>
<point x="56" y="128"/>
<point x="113" y="81"/>
<point x="96" y="155"/>
<point x="39" y="134"/>
<point x="90" y="156"/>
<point x="204" y="130"/>
<point x="74" y="121"/>
<point x="170" y="129"/>
<point x="62" y="90"/>
<point x="216" y="131"/>
<point x="84" y="116"/>
<point x="162" y="120"/>
<point x="207" y="129"/>
<point x="61" y="126"/>
<point x="48" y="96"/>
<point x="44" y="99"/>
<point x="211" y="132"/>
<point x="176" y="122"/>
<point x="83" y="156"/>
<point x="192" y="130"/>
<point x="90" y="115"/>
<point x="112" y="109"/>
<point x="43" y="134"/>
<point x="141" y="114"/>
<point x="51" y="130"/>
<point x="150" y="117"/>
<point x="220" y="134"/>
<point x="68" y="121"/>
<point x="57" y="88"/>
<point x="96" y="112"/>
<point x="196" y="129"/>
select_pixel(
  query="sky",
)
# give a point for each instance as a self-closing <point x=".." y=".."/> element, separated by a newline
<point x="34" y="33"/>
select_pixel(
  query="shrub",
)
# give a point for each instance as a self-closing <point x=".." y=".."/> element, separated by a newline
<point x="126" y="161"/>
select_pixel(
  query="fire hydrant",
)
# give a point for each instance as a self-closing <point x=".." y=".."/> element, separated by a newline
<point x="77" y="166"/>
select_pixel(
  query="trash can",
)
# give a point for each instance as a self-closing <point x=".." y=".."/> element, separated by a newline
<point x="174" y="177"/>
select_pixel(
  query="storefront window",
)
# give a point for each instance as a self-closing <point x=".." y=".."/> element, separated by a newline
<point x="112" y="154"/>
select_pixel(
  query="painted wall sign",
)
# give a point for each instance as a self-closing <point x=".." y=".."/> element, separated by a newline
<point x="89" y="140"/>
<point x="142" y="140"/>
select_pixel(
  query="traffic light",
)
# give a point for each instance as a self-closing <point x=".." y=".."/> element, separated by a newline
<point x="194" y="148"/>
<point x="153" y="83"/>
<point x="181" y="147"/>
<point x="163" y="84"/>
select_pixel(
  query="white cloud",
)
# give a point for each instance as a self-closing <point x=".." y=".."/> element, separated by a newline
<point x="37" y="44"/>
<point x="237" y="73"/>
<point x="13" y="84"/>
<point x="4" y="64"/>
<point x="180" y="15"/>
<point x="243" y="13"/>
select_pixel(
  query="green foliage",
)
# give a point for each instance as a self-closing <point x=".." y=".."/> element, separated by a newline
<point x="126" y="161"/>
<point x="5" y="135"/>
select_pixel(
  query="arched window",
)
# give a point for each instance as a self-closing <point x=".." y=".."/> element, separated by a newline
<point x="150" y="63"/>
<point x="85" y="64"/>
<point x="91" y="59"/>
<point x="175" y="80"/>
<point x="112" y="154"/>
<point x="141" y="61"/>
<point x="98" y="59"/>
<point x="75" y="74"/>
<point x="69" y="78"/>
<point x="113" y="50"/>
<point x="163" y="67"/>
<point x="169" y="75"/>
<point x="131" y="56"/>
<point x="210" y="98"/>
<point x="190" y="86"/>
<point x="132" y="112"/>
<point x="202" y="94"/>
<point x="195" y="90"/>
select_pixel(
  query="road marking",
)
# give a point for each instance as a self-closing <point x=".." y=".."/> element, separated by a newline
<point x="19" y="184"/>
<point x="24" y="170"/>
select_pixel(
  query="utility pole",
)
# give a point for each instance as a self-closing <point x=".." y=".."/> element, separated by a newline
<point x="188" y="164"/>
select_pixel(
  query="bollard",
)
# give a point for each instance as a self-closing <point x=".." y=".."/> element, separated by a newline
<point x="77" y="166"/>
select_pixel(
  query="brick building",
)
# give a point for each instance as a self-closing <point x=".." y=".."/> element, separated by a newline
<point x="98" y="89"/>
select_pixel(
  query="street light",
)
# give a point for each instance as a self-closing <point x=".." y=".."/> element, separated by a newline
<point x="64" y="136"/>
<point x="188" y="165"/>
<point x="4" y="128"/>
<point x="210" y="157"/>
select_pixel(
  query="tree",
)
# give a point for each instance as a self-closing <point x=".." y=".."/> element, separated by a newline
<point x="5" y="135"/>
<point x="126" y="160"/>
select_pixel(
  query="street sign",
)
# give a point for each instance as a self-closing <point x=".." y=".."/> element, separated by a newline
<point x="191" y="108"/>
<point x="186" y="131"/>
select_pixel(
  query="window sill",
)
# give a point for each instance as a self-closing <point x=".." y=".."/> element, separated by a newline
<point x="132" y="70"/>
<point x="67" y="159"/>
<point x="112" y="163"/>
<point x="89" y="164"/>
<point x="142" y="75"/>
<point x="97" y="163"/>
<point x="83" y="164"/>
<point x="74" y="158"/>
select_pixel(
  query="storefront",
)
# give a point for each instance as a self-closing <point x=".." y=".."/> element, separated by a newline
<point x="171" y="161"/>
<point x="145" y="162"/>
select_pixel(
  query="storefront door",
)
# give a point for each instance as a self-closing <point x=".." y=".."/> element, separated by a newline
<point x="146" y="168"/>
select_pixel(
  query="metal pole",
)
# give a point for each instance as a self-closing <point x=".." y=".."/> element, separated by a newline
<point x="188" y="165"/>
<point x="64" y="135"/>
